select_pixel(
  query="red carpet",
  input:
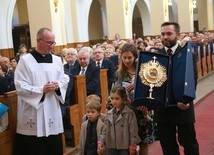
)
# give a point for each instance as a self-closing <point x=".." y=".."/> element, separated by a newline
<point x="204" y="125"/>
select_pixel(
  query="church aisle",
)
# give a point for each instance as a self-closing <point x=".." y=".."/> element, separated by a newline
<point x="204" y="127"/>
<point x="205" y="124"/>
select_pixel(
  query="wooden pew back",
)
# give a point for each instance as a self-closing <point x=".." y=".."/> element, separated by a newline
<point x="212" y="58"/>
<point x="199" y="64"/>
<point x="77" y="111"/>
<point x="104" y="88"/>
<point x="204" y="62"/>
<point x="7" y="137"/>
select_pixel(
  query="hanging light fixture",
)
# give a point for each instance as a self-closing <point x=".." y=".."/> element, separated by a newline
<point x="126" y="6"/>
<point x="56" y="4"/>
<point x="169" y="2"/>
<point x="194" y="5"/>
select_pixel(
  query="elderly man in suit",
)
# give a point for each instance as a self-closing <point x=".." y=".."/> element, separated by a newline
<point x="90" y="70"/>
<point x="101" y="62"/>
<point x="71" y="58"/>
<point x="178" y="119"/>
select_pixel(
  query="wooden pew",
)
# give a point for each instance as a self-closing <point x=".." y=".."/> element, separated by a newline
<point x="7" y="137"/>
<point x="204" y="62"/>
<point x="211" y="57"/>
<point x="78" y="109"/>
<point x="104" y="88"/>
<point x="199" y="65"/>
<point x="209" y="60"/>
<point x="7" y="52"/>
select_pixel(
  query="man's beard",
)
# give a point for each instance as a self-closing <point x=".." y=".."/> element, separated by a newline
<point x="169" y="44"/>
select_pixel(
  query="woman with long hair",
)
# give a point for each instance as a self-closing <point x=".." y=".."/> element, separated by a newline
<point x="125" y="76"/>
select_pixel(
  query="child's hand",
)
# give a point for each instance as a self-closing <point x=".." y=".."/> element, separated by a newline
<point x="132" y="152"/>
<point x="102" y="116"/>
<point x="100" y="152"/>
<point x="100" y="146"/>
<point x="132" y="149"/>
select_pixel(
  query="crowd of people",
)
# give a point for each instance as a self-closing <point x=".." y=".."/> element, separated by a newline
<point x="44" y="83"/>
<point x="7" y="69"/>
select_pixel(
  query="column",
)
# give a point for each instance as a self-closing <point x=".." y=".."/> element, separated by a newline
<point x="7" y="9"/>
<point x="210" y="15"/>
<point x="185" y="15"/>
<point x="158" y="14"/>
<point x="203" y="14"/>
<point x="44" y="14"/>
<point x="116" y="18"/>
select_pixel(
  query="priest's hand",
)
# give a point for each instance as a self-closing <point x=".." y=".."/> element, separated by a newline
<point x="183" y="106"/>
<point x="56" y="85"/>
<point x="50" y="87"/>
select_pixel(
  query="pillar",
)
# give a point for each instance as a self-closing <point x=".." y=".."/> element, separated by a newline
<point x="210" y="15"/>
<point x="185" y="15"/>
<point x="158" y="14"/>
<point x="116" y="18"/>
<point x="202" y="14"/>
<point x="44" y="14"/>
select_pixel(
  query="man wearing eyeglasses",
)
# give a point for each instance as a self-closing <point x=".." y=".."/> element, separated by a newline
<point x="41" y="86"/>
<point x="103" y="63"/>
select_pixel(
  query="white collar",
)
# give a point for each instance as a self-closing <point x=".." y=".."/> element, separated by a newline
<point x="84" y="68"/>
<point x="172" y="48"/>
<point x="99" y="61"/>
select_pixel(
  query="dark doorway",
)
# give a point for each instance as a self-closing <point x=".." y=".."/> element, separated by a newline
<point x="196" y="27"/>
<point x="137" y="25"/>
<point x="21" y="35"/>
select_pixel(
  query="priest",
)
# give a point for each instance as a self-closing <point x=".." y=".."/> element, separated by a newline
<point x="41" y="86"/>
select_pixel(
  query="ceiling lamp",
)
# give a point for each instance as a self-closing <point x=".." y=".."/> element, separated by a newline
<point x="55" y="4"/>
<point x="194" y="4"/>
<point x="169" y="2"/>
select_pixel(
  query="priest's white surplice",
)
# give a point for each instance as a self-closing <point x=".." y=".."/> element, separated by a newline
<point x="33" y="116"/>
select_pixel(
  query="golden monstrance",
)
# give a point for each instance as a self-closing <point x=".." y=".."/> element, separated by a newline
<point x="152" y="74"/>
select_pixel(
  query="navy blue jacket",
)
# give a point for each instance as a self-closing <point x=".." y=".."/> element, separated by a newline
<point x="173" y="113"/>
<point x="92" y="76"/>
<point x="107" y="64"/>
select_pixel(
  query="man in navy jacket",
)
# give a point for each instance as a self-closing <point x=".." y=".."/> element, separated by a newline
<point x="178" y="119"/>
